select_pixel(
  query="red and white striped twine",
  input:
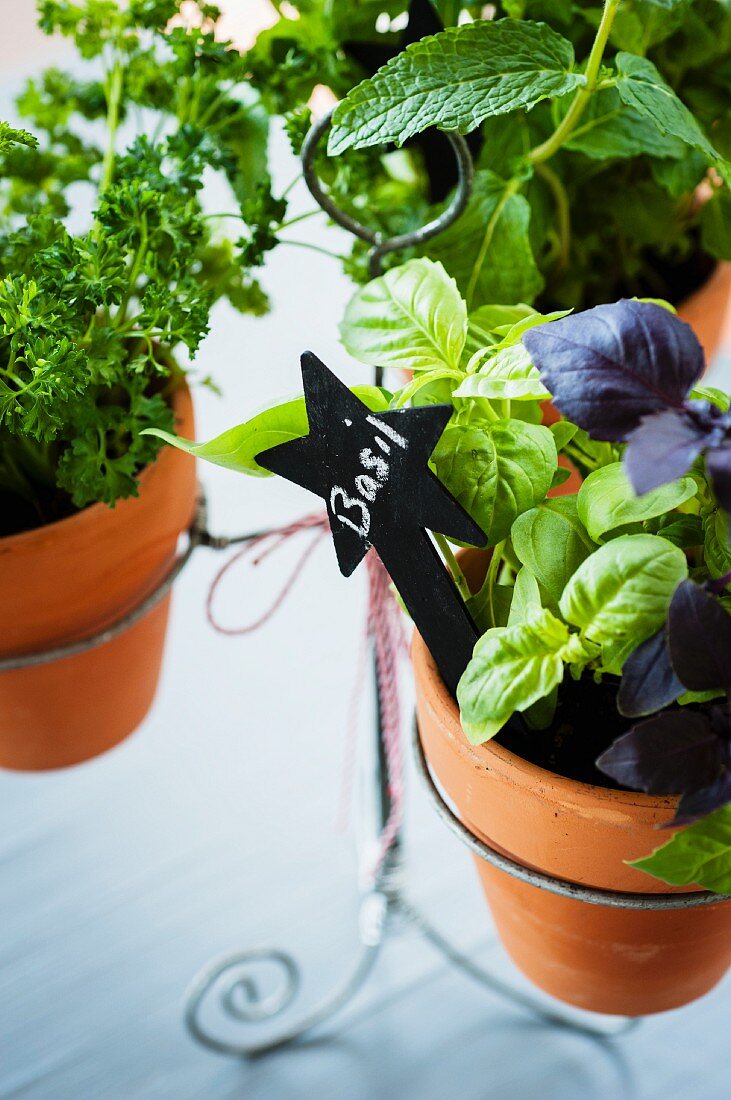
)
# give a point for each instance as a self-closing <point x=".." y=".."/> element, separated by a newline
<point x="384" y="630"/>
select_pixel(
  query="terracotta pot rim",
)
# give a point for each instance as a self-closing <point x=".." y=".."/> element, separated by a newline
<point x="90" y="513"/>
<point x="484" y="755"/>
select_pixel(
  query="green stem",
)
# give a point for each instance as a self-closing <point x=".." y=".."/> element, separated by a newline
<point x="134" y="275"/>
<point x="314" y="248"/>
<point x="497" y="557"/>
<point x="511" y="189"/>
<point x="215" y="103"/>
<point x="581" y="100"/>
<point x="291" y="185"/>
<point x="459" y="578"/>
<point x="114" y="98"/>
<point x="563" y="213"/>
<point x="300" y="218"/>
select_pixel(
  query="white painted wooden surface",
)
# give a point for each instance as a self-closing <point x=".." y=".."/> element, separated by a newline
<point x="214" y="828"/>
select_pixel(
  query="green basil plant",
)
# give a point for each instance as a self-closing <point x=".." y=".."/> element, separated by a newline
<point x="623" y="585"/>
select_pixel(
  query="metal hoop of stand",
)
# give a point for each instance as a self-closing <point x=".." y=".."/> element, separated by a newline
<point x="197" y="534"/>
<point x="612" y="899"/>
<point x="231" y="979"/>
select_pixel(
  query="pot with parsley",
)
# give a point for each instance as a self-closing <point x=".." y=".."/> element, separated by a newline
<point x="109" y="268"/>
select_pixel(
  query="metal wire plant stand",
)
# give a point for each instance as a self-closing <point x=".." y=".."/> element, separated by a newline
<point x="234" y="982"/>
<point x="232" y="978"/>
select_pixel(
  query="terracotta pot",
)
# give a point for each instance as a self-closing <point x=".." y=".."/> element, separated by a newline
<point x="614" y="961"/>
<point x="70" y="579"/>
<point x="709" y="312"/>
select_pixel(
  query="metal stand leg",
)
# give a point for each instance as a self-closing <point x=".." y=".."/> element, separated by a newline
<point x="233" y="980"/>
<point x="240" y="998"/>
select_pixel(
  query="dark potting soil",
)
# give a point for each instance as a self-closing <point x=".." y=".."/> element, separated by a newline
<point x="587" y="722"/>
<point x="672" y="280"/>
<point x="18" y="515"/>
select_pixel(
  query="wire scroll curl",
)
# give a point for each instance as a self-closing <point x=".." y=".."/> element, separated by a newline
<point x="381" y="245"/>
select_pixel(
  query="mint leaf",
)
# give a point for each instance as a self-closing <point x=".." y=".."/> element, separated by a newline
<point x="607" y="501"/>
<point x="454" y="80"/>
<point x="496" y="470"/>
<point x="641" y="86"/>
<point x="716" y="225"/>
<point x="699" y="854"/>
<point x="552" y="543"/>
<point x="512" y="668"/>
<point x="412" y="317"/>
<point x="237" y="448"/>
<point x="488" y="250"/>
<point x="609" y="128"/>
<point x="622" y="592"/>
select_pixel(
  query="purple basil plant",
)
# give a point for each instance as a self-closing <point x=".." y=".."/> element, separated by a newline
<point x="625" y="373"/>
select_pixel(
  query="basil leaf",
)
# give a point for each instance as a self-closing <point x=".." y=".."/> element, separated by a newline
<point x="685" y="531"/>
<point x="496" y="471"/>
<point x="486" y="324"/>
<point x="483" y="324"/>
<point x="488" y="250"/>
<point x="412" y="317"/>
<point x="612" y="365"/>
<point x="237" y="448"/>
<point x="640" y="86"/>
<point x="526" y="602"/>
<point x="699" y="854"/>
<point x="648" y="682"/>
<point x="506" y="374"/>
<point x="454" y="80"/>
<point x="621" y="594"/>
<point x="607" y="501"/>
<point x="663" y="448"/>
<point x="716" y="549"/>
<point x="541" y="714"/>
<point x="491" y="607"/>
<point x="699" y="639"/>
<point x="552" y="543"/>
<point x="672" y="753"/>
<point x="511" y="668"/>
<point x="562" y="475"/>
<point x="563" y="432"/>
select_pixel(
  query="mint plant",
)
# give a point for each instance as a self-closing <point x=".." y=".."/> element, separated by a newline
<point x="109" y="263"/>
<point x="597" y="129"/>
<point x="628" y="591"/>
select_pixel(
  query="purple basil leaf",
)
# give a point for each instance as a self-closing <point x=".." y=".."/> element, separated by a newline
<point x="721" y="720"/>
<point x="610" y="366"/>
<point x="648" y="681"/>
<point x="697" y="804"/>
<point x="718" y="464"/>
<point x="699" y="639"/>
<point x="677" y="752"/>
<point x="662" y="448"/>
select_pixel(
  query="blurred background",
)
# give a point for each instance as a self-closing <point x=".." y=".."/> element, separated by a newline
<point x="216" y="825"/>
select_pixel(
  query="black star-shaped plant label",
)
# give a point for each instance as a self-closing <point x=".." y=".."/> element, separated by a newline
<point x="371" y="469"/>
